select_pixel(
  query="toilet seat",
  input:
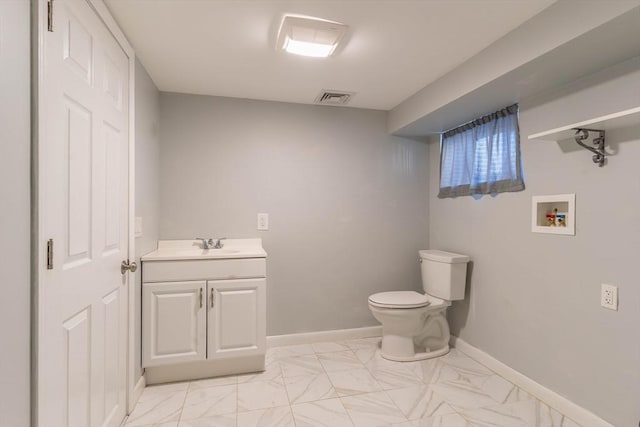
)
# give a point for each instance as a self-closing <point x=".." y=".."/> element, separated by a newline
<point x="406" y="299"/>
<point x="399" y="299"/>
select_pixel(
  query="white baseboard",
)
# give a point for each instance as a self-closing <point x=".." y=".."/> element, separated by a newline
<point x="135" y="396"/>
<point x="138" y="389"/>
<point x="551" y="398"/>
<point x="313" y="337"/>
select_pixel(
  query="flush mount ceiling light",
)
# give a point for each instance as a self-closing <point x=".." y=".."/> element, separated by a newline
<point x="307" y="36"/>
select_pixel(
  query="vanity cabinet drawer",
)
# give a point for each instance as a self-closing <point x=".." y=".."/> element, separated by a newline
<point x="210" y="269"/>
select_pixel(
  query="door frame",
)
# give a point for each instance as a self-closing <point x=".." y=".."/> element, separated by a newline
<point x="134" y="386"/>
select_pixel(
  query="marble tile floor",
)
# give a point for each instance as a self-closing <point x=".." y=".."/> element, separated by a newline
<point x="347" y="383"/>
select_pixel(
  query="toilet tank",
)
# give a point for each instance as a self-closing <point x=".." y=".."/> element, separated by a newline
<point x="444" y="274"/>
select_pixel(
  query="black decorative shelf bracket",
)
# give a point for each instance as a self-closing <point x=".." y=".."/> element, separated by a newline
<point x="598" y="144"/>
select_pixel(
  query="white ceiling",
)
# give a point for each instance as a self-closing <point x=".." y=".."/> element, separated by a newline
<point x="393" y="48"/>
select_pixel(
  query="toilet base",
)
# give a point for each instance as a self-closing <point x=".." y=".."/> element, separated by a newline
<point x="416" y="356"/>
<point x="402" y="343"/>
<point x="413" y="334"/>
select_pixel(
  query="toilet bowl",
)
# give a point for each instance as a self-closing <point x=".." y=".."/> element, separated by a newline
<point x="414" y="325"/>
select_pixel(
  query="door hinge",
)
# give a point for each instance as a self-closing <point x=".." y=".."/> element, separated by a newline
<point x="50" y="254"/>
<point x="50" y="16"/>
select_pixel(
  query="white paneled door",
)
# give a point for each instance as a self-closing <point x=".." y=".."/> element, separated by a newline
<point x="83" y="196"/>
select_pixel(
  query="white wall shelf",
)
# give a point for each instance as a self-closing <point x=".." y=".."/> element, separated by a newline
<point x="560" y="204"/>
<point x="610" y="121"/>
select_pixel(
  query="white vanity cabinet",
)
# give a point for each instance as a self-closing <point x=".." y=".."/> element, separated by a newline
<point x="203" y="311"/>
<point x="175" y="322"/>
<point x="236" y="325"/>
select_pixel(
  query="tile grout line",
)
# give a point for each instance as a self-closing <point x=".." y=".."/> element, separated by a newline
<point x="326" y="373"/>
<point x="336" y="391"/>
<point x="281" y="375"/>
<point x="284" y="384"/>
<point x="377" y="382"/>
<point x="238" y="392"/>
<point x="385" y="391"/>
<point x="459" y="410"/>
<point x="184" y="401"/>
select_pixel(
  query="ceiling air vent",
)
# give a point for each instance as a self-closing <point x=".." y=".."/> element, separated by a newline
<point x="334" y="97"/>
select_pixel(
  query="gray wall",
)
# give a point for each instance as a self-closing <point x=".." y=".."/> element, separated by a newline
<point x="15" y="213"/>
<point x="147" y="181"/>
<point x="347" y="203"/>
<point x="534" y="299"/>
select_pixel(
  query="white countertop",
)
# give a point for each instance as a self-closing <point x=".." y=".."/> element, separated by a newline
<point x="173" y="250"/>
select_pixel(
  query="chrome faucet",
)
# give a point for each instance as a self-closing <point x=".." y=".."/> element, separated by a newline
<point x="206" y="243"/>
<point x="209" y="243"/>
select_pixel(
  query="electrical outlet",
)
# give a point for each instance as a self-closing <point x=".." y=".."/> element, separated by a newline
<point x="263" y="221"/>
<point x="609" y="296"/>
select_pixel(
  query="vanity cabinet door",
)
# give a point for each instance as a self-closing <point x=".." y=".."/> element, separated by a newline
<point x="173" y="322"/>
<point x="237" y="318"/>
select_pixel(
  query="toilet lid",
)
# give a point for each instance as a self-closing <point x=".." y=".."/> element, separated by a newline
<point x="400" y="299"/>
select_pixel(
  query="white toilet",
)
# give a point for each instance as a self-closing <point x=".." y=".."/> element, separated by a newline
<point x="414" y="326"/>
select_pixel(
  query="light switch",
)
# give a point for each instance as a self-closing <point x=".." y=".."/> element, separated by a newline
<point x="138" y="226"/>
<point x="263" y="221"/>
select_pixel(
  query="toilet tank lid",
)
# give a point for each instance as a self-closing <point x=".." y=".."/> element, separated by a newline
<point x="442" y="256"/>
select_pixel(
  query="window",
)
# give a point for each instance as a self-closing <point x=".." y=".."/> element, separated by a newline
<point x="482" y="156"/>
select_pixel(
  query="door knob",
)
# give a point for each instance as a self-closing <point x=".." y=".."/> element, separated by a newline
<point x="126" y="265"/>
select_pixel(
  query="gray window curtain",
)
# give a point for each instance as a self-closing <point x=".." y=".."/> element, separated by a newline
<point x="482" y="156"/>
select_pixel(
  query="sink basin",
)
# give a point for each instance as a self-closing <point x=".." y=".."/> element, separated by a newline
<point x="221" y="251"/>
<point x="196" y="251"/>
<point x="191" y="249"/>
